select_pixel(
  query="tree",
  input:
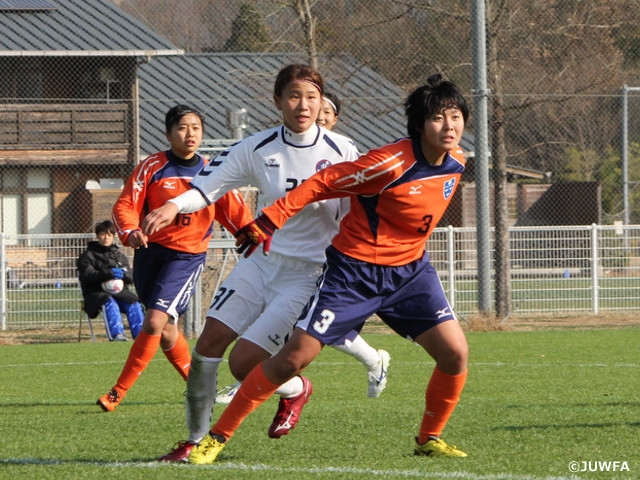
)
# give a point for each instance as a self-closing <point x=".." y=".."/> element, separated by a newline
<point x="563" y="42"/>
<point x="606" y="169"/>
<point x="556" y="70"/>
<point x="248" y="33"/>
<point x="308" y="24"/>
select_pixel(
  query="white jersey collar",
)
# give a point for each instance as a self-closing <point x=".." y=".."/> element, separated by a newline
<point x="301" y="139"/>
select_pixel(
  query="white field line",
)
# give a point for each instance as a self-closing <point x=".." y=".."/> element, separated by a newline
<point x="243" y="467"/>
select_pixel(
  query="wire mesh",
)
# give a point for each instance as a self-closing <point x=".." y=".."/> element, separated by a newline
<point x="78" y="111"/>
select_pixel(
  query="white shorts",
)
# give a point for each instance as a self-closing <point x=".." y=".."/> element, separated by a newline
<point x="263" y="296"/>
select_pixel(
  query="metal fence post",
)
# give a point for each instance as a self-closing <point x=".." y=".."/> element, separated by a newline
<point x="451" y="265"/>
<point x="625" y="151"/>
<point x="481" y="154"/>
<point x="3" y="287"/>
<point x="594" y="269"/>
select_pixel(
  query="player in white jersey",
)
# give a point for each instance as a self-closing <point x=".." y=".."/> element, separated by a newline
<point x="263" y="296"/>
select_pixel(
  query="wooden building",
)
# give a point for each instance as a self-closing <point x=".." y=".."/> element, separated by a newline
<point x="68" y="85"/>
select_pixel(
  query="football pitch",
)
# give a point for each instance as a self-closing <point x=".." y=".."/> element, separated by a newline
<point x="538" y="405"/>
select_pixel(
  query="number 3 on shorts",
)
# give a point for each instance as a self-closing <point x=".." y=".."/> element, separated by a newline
<point x="327" y="319"/>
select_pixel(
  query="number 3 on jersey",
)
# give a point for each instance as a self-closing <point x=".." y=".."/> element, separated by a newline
<point x="328" y="317"/>
<point x="426" y="225"/>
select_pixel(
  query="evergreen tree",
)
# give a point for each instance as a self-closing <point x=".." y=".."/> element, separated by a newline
<point x="248" y="33"/>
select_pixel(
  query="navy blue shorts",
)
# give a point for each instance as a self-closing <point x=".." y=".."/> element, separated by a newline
<point x="165" y="278"/>
<point x="409" y="298"/>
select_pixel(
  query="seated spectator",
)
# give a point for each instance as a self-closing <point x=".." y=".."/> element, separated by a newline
<point x="100" y="262"/>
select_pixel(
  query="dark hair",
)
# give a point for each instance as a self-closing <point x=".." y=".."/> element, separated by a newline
<point x="335" y="100"/>
<point x="435" y="96"/>
<point x="176" y="113"/>
<point x="299" y="72"/>
<point x="105" y="227"/>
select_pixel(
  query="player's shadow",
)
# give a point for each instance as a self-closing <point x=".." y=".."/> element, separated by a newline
<point x="557" y="426"/>
<point x="82" y="403"/>
<point x="577" y="405"/>
<point x="630" y="406"/>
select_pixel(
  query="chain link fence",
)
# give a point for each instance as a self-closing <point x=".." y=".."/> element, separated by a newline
<point x="79" y="111"/>
<point x="560" y="271"/>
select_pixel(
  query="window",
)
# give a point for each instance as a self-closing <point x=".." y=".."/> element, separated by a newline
<point x="26" y="204"/>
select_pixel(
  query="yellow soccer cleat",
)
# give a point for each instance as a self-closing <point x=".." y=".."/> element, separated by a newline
<point x="206" y="452"/>
<point x="437" y="447"/>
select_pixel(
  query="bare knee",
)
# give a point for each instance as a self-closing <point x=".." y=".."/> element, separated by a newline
<point x="454" y="360"/>
<point x="214" y="339"/>
<point x="289" y="363"/>
<point x="294" y="357"/>
<point x="243" y="358"/>
<point x="447" y="344"/>
<point x="169" y="336"/>
<point x="156" y="322"/>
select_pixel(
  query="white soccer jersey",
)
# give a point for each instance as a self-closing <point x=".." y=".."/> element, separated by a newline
<point x="276" y="161"/>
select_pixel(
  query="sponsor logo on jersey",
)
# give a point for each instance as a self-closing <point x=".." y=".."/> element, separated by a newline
<point x="415" y="189"/>
<point x="271" y="162"/>
<point x="170" y="184"/>
<point x="322" y="164"/>
<point x="448" y="188"/>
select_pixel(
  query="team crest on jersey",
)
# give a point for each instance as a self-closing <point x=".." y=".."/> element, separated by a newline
<point x="322" y="164"/>
<point x="448" y="188"/>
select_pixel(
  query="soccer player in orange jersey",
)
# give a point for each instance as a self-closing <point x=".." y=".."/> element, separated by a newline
<point x="261" y="299"/>
<point x="398" y="195"/>
<point x="167" y="264"/>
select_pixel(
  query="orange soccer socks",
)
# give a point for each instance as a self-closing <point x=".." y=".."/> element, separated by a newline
<point x="142" y="351"/>
<point x="180" y="356"/>
<point x="253" y="392"/>
<point x="443" y="393"/>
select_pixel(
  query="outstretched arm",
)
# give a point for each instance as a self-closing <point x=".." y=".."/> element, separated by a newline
<point x="365" y="176"/>
<point x="189" y="201"/>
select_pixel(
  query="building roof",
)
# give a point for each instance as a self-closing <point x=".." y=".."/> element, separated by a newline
<point x="217" y="83"/>
<point x="75" y="28"/>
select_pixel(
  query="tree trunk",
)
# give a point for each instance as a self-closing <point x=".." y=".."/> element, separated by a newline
<point x="308" y="24"/>
<point x="499" y="161"/>
<point x="501" y="208"/>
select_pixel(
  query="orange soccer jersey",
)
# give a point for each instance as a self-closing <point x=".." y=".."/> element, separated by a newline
<point x="397" y="199"/>
<point x="161" y="177"/>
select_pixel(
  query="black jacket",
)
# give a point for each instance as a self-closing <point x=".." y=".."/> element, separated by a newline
<point x="94" y="267"/>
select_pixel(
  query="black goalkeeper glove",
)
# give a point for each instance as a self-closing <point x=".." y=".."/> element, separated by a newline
<point x="255" y="233"/>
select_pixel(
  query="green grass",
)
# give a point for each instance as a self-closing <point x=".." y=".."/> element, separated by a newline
<point x="41" y="307"/>
<point x="534" y="402"/>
